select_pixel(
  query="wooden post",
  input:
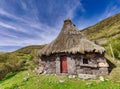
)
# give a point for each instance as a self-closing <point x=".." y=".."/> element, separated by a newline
<point x="112" y="52"/>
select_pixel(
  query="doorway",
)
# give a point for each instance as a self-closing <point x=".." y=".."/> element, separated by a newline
<point x="63" y="64"/>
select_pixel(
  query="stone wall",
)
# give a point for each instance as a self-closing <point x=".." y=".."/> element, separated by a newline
<point x="71" y="65"/>
<point x="103" y="70"/>
<point x="49" y="64"/>
<point x="58" y="69"/>
<point x="75" y="64"/>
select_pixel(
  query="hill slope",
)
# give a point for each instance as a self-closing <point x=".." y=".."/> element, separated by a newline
<point x="104" y="29"/>
<point x="22" y="58"/>
<point x="105" y="33"/>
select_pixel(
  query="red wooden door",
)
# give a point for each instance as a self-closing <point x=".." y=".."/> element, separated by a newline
<point x="63" y="60"/>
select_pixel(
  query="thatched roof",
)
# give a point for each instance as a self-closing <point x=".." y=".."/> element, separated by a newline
<point x="70" y="40"/>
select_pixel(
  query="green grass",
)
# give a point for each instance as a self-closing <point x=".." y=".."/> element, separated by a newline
<point x="23" y="58"/>
<point x="36" y="81"/>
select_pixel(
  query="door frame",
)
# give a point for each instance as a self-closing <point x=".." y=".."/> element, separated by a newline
<point x="61" y="65"/>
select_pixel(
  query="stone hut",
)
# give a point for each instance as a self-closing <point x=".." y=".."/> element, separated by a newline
<point x="72" y="53"/>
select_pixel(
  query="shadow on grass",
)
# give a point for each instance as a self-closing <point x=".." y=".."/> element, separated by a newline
<point x="11" y="74"/>
<point x="8" y="76"/>
<point x="111" y="65"/>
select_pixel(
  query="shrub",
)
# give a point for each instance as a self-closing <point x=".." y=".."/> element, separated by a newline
<point x="116" y="54"/>
<point x="9" y="75"/>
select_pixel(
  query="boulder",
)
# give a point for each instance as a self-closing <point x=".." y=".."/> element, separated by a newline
<point x="39" y="70"/>
<point x="101" y="78"/>
<point x="88" y="84"/>
<point x="87" y="76"/>
<point x="71" y="76"/>
<point x="44" y="72"/>
<point x="61" y="81"/>
<point x="25" y="79"/>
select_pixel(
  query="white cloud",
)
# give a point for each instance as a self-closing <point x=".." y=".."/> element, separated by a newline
<point x="30" y="24"/>
<point x="71" y="11"/>
<point x="27" y="20"/>
<point x="83" y="22"/>
<point x="23" y="4"/>
<point x="7" y="25"/>
<point x="110" y="10"/>
<point x="5" y="13"/>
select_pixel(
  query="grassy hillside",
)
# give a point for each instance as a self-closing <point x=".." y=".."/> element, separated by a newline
<point x="23" y="58"/>
<point x="105" y="33"/>
<point x="28" y="49"/>
<point x="104" y="29"/>
<point x="1" y="52"/>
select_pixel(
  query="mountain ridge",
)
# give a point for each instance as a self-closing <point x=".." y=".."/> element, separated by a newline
<point x="97" y="31"/>
<point x="106" y="33"/>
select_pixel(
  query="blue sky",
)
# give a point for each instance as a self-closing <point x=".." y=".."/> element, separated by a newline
<point x="35" y="22"/>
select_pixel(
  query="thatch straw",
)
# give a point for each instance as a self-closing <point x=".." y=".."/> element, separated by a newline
<point x="70" y="40"/>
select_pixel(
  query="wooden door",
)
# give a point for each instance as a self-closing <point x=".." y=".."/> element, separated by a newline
<point x="63" y="60"/>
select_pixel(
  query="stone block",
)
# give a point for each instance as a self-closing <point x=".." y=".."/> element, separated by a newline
<point x="57" y="66"/>
<point x="79" y="71"/>
<point x="103" y="70"/>
<point x="71" y="65"/>
<point x="87" y="76"/>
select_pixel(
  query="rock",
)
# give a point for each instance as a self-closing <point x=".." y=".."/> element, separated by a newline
<point x="88" y="84"/>
<point x="25" y="79"/>
<point x="87" y="76"/>
<point x="55" y="74"/>
<point x="102" y="78"/>
<point x="28" y="74"/>
<point x="71" y="76"/>
<point x="44" y="72"/>
<point x="39" y="70"/>
<point x="107" y="79"/>
<point x="61" y="81"/>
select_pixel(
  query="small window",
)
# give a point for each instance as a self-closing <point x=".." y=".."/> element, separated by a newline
<point x="85" y="61"/>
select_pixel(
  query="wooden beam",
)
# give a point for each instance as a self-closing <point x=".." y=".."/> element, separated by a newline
<point x="112" y="52"/>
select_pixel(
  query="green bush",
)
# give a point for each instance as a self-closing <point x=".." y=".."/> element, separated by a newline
<point x="10" y="63"/>
<point x="116" y="54"/>
<point x="9" y="75"/>
<point x="14" y="61"/>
